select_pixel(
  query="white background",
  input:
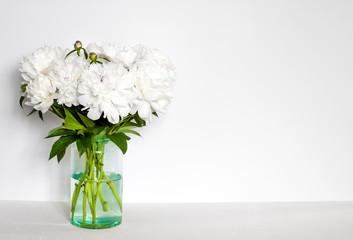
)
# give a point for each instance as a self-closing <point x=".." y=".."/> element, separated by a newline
<point x="263" y="101"/>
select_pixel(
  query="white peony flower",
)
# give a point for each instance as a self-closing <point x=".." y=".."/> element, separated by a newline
<point x="93" y="47"/>
<point x="65" y="75"/>
<point x="155" y="75"/>
<point x="40" y="90"/>
<point x="107" y="89"/>
<point x="40" y="93"/>
<point x="38" y="62"/>
<point x="120" y="54"/>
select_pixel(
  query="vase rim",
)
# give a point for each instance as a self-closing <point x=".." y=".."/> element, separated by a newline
<point x="102" y="139"/>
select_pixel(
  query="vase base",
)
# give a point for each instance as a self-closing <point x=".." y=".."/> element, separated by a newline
<point x="101" y="223"/>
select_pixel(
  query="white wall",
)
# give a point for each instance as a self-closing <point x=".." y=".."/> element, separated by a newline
<point x="263" y="108"/>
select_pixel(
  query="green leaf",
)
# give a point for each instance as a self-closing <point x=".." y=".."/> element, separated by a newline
<point x="114" y="129"/>
<point x="129" y="131"/>
<point x="23" y="87"/>
<point x="130" y="124"/>
<point x="127" y="125"/>
<point x="56" y="104"/>
<point x="21" y="100"/>
<point x="99" y="62"/>
<point x="81" y="132"/>
<point x="40" y="115"/>
<point x="96" y="130"/>
<point x="69" y="53"/>
<point x="86" y="140"/>
<point x="80" y="147"/>
<point x="61" y="155"/>
<point x="59" y="131"/>
<point x="120" y="139"/>
<point x="58" y="112"/>
<point x="88" y="122"/>
<point x="71" y="122"/>
<point x="155" y="113"/>
<point x="106" y="59"/>
<point x="140" y="122"/>
<point x="84" y="51"/>
<point x="33" y="111"/>
<point x="61" y="144"/>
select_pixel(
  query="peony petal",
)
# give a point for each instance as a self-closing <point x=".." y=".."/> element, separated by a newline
<point x="94" y="113"/>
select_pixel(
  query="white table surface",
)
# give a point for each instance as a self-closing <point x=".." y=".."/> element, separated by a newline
<point x="221" y="221"/>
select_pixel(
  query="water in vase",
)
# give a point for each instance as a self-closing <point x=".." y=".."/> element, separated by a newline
<point x="106" y="206"/>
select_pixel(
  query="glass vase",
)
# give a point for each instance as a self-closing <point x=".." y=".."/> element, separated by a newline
<point x="96" y="185"/>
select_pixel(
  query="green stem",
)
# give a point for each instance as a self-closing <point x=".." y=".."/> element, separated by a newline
<point x="94" y="159"/>
<point x="84" y="206"/>
<point x="93" y="206"/>
<point x="99" y="186"/>
<point x="112" y="188"/>
<point x="89" y="193"/>
<point x="91" y="184"/>
<point x="104" y="203"/>
<point x="77" y="192"/>
<point x="100" y="176"/>
<point x="110" y="184"/>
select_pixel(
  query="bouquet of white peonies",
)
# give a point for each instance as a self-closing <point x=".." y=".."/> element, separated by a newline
<point x="101" y="92"/>
<point x="108" y="85"/>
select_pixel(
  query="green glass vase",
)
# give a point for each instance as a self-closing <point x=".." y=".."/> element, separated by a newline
<point x="96" y="185"/>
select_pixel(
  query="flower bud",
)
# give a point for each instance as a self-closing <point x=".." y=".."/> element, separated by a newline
<point x="78" y="45"/>
<point x="93" y="56"/>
